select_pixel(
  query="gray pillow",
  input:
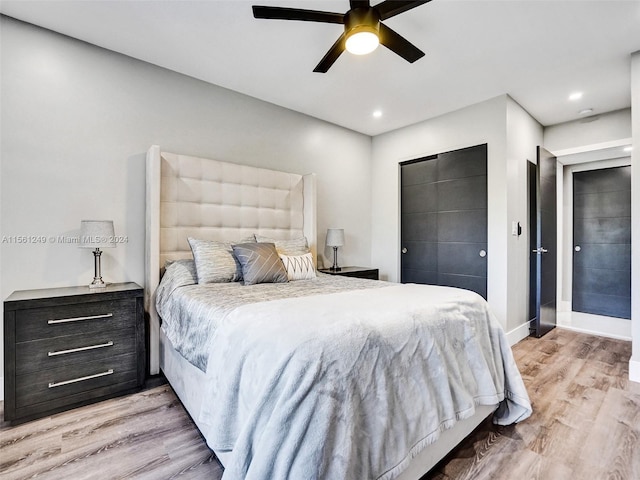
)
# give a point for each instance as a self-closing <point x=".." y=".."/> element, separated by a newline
<point x="260" y="263"/>
<point x="183" y="272"/>
<point x="215" y="262"/>
<point x="294" y="246"/>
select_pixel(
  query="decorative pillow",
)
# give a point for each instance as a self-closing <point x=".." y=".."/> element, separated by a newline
<point x="215" y="262"/>
<point x="299" y="267"/>
<point x="295" y="246"/>
<point x="260" y="263"/>
<point x="181" y="271"/>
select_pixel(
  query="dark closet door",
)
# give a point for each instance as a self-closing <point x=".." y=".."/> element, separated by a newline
<point x="602" y="242"/>
<point x="546" y="251"/>
<point x="444" y="219"/>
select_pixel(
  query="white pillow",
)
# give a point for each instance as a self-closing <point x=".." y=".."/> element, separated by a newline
<point x="294" y="246"/>
<point x="299" y="267"/>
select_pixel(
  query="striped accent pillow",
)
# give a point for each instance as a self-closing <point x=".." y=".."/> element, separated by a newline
<point x="260" y="263"/>
<point x="215" y="262"/>
<point x="299" y="267"/>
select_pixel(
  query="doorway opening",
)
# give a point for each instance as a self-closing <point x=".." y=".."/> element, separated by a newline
<point x="594" y="271"/>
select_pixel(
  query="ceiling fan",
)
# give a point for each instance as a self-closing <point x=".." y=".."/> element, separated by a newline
<point x="363" y="28"/>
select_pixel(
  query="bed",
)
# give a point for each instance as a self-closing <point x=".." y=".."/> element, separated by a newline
<point x="322" y="377"/>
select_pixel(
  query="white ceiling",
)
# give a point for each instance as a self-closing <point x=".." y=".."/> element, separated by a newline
<point x="537" y="51"/>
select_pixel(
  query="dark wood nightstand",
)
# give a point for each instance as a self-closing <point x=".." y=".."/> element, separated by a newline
<point x="66" y="347"/>
<point x="359" y="272"/>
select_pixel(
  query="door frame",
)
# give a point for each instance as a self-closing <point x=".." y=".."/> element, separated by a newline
<point x="539" y="326"/>
<point x="565" y="225"/>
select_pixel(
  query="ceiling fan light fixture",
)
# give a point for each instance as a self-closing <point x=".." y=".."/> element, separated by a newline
<point x="362" y="40"/>
<point x="363" y="28"/>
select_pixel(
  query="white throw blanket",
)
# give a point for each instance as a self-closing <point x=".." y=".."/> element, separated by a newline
<point x="352" y="385"/>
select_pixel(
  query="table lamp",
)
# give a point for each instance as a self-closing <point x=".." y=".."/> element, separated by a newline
<point x="97" y="234"/>
<point x="335" y="239"/>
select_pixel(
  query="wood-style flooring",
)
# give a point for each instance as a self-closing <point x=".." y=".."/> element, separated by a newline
<point x="585" y="425"/>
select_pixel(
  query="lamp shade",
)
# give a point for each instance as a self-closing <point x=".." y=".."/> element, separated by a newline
<point x="97" y="234"/>
<point x="335" y="237"/>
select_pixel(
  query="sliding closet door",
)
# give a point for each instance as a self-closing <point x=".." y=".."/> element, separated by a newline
<point x="602" y="242"/>
<point x="444" y="219"/>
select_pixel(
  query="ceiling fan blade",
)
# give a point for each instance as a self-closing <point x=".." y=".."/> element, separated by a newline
<point x="284" y="13"/>
<point x="359" y="3"/>
<point x="399" y="45"/>
<point x="332" y="55"/>
<point x="391" y="8"/>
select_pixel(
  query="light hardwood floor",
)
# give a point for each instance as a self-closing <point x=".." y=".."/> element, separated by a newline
<point x="585" y="425"/>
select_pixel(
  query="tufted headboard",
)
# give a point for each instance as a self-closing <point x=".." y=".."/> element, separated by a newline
<point x="208" y="199"/>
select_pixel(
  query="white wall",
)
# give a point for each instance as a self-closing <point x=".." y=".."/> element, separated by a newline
<point x="524" y="134"/>
<point x="634" y="363"/>
<point x="600" y="131"/>
<point x="509" y="147"/>
<point x="77" y="121"/>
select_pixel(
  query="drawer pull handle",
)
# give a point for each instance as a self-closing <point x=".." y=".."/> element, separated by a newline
<point x="77" y="319"/>
<point x="80" y="379"/>
<point x="80" y="349"/>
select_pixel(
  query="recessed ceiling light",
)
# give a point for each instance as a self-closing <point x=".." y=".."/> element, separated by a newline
<point x="575" y="96"/>
<point x="628" y="149"/>
<point x="377" y="113"/>
<point x="585" y="111"/>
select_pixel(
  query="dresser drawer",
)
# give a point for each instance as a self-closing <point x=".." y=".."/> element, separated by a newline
<point x="47" y="385"/>
<point x="72" y="319"/>
<point x="71" y="346"/>
<point x="48" y="353"/>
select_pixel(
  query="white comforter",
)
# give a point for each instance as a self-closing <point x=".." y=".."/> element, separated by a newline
<point x="352" y="385"/>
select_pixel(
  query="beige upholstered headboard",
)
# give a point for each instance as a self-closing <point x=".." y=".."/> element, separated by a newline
<point x="208" y="199"/>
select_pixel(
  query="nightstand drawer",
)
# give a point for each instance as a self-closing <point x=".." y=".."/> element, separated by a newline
<point x="70" y="346"/>
<point x="47" y="385"/>
<point x="72" y="319"/>
<point x="48" y="353"/>
<point x="371" y="274"/>
<point x="358" y="272"/>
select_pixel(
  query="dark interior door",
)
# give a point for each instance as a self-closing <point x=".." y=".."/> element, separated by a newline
<point x="546" y="243"/>
<point x="444" y="219"/>
<point x="532" y="181"/>
<point x="602" y="242"/>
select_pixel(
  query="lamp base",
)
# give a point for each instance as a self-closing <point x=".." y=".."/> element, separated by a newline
<point x="335" y="267"/>
<point x="97" y="277"/>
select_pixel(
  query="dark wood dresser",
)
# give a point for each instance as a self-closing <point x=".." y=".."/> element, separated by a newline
<point x="360" y="272"/>
<point x="66" y="347"/>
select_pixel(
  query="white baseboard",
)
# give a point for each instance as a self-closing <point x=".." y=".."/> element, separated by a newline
<point x="518" y="333"/>
<point x="634" y="369"/>
<point x="611" y="327"/>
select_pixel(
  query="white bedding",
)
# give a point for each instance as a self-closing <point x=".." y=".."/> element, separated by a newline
<point x="191" y="312"/>
<point x="352" y="385"/>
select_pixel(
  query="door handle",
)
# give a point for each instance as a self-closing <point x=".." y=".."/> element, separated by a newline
<point x="578" y="248"/>
<point x="482" y="253"/>
<point x="404" y="250"/>
<point x="540" y="250"/>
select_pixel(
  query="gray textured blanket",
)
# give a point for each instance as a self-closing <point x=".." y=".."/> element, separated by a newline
<point x="352" y="385"/>
<point x="191" y="312"/>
